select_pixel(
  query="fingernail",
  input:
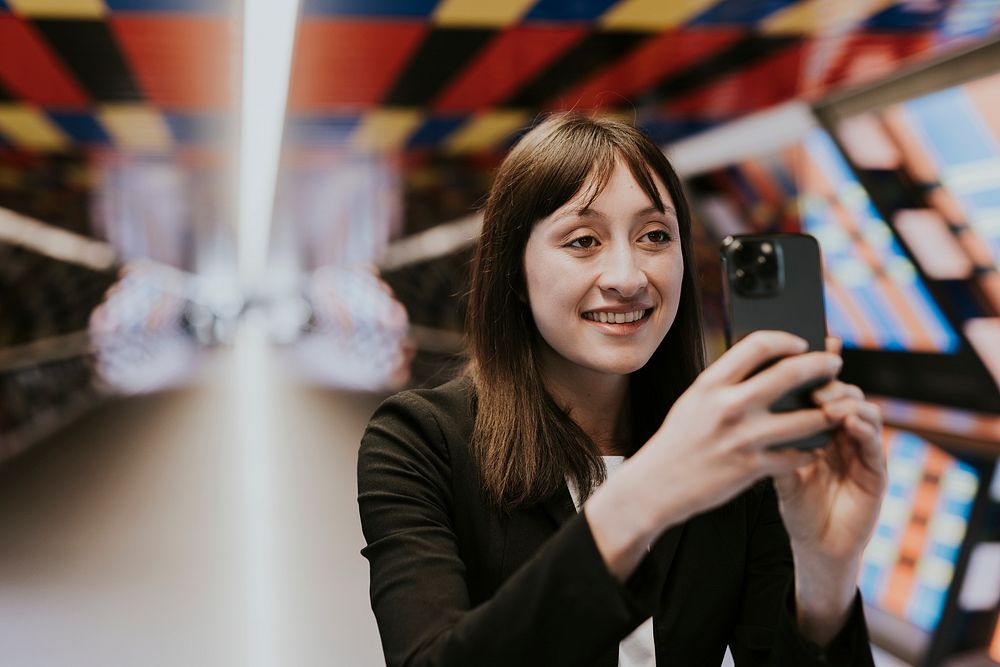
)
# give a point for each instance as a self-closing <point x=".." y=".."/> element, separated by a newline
<point x="835" y="363"/>
<point x="823" y="395"/>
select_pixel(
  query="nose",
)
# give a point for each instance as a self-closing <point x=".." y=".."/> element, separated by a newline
<point x="621" y="272"/>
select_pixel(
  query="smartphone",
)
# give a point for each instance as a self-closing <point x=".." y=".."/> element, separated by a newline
<point x="775" y="281"/>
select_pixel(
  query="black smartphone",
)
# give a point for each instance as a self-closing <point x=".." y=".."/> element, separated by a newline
<point x="775" y="281"/>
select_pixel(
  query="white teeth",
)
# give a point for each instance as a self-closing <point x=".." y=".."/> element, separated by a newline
<point x="615" y="318"/>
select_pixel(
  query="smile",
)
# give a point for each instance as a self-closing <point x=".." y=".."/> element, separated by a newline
<point x="616" y="318"/>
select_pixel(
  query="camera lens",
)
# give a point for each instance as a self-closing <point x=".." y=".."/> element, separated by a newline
<point x="746" y="281"/>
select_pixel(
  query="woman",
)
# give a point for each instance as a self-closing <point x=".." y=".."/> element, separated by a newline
<point x="495" y="535"/>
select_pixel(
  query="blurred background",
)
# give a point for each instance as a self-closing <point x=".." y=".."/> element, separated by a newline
<point x="229" y="228"/>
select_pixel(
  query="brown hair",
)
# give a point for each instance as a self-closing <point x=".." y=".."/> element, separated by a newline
<point x="525" y="443"/>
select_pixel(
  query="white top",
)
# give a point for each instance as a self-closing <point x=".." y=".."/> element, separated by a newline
<point x="637" y="649"/>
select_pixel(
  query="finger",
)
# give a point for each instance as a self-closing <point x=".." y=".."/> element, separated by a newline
<point x="778" y="463"/>
<point x="834" y="344"/>
<point x="751" y="353"/>
<point x="769" y="429"/>
<point x="835" y="390"/>
<point x="840" y="409"/>
<point x="868" y="437"/>
<point x="769" y="385"/>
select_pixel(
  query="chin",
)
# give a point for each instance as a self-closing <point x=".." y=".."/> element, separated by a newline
<point x="621" y="365"/>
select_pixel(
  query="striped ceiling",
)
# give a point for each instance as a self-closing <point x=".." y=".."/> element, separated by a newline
<point x="450" y="75"/>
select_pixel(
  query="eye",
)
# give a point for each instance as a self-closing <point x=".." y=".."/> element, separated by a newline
<point x="583" y="242"/>
<point x="657" y="236"/>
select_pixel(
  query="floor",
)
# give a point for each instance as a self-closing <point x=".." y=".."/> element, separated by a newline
<point x="214" y="524"/>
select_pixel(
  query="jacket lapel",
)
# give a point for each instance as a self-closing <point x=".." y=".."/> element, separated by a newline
<point x="559" y="507"/>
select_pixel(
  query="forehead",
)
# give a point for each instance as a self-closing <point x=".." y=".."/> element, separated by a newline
<point x="617" y="179"/>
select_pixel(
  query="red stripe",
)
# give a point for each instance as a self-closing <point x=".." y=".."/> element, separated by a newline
<point x="760" y="85"/>
<point x="342" y="64"/>
<point x="31" y="71"/>
<point x="652" y="62"/>
<point x="180" y="62"/>
<point x="511" y="59"/>
<point x="863" y="57"/>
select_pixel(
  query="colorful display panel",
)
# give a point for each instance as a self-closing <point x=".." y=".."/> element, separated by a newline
<point x="947" y="145"/>
<point x="874" y="296"/>
<point x="909" y="564"/>
<point x="960" y="129"/>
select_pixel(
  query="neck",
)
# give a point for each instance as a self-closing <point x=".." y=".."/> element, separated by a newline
<point x="597" y="402"/>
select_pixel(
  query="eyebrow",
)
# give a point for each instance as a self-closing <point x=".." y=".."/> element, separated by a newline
<point x="587" y="212"/>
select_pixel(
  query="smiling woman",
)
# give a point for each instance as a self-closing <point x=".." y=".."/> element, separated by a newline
<point x="497" y="534"/>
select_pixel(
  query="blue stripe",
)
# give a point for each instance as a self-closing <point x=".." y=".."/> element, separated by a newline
<point x="948" y="126"/>
<point x="196" y="128"/>
<point x="320" y="130"/>
<point x="877" y="309"/>
<point x="665" y="131"/>
<point x="909" y="16"/>
<point x="380" y="8"/>
<point x="186" y="6"/>
<point x="740" y="12"/>
<point x="433" y="131"/>
<point x="944" y="336"/>
<point x="870" y="582"/>
<point x="568" y="10"/>
<point x="838" y="323"/>
<point x="82" y="127"/>
<point x="924" y="608"/>
<point x="970" y="18"/>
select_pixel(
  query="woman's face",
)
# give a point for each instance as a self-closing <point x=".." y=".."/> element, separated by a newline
<point x="604" y="281"/>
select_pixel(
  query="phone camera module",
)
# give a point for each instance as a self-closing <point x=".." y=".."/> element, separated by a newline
<point x="756" y="267"/>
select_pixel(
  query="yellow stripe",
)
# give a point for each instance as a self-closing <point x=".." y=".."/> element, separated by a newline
<point x="812" y="16"/>
<point x="480" y="13"/>
<point x="652" y="14"/>
<point x="386" y="129"/>
<point x="30" y="128"/>
<point x="486" y="130"/>
<point x="76" y="9"/>
<point x="136" y="128"/>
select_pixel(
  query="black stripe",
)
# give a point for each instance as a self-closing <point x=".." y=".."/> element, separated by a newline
<point x="738" y="56"/>
<point x="442" y="54"/>
<point x="90" y="51"/>
<point x="594" y="52"/>
<point x="5" y="95"/>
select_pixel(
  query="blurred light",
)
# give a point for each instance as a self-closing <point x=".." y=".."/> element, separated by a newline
<point x="981" y="588"/>
<point x="983" y="333"/>
<point x="758" y="134"/>
<point x="268" y="36"/>
<point x="54" y="242"/>
<point x="253" y="417"/>
<point x="435" y="242"/>
<point x="927" y="236"/>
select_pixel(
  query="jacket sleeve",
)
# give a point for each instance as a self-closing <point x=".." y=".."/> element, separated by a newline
<point x="766" y="633"/>
<point x="562" y="607"/>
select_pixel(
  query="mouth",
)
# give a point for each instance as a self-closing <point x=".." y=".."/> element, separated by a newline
<point x="631" y="318"/>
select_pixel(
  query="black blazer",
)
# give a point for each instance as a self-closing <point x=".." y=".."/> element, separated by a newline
<point x="453" y="583"/>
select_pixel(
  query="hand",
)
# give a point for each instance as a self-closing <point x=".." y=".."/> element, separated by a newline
<point x="716" y="439"/>
<point x="713" y="444"/>
<point x="830" y="505"/>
